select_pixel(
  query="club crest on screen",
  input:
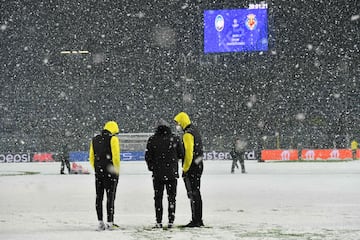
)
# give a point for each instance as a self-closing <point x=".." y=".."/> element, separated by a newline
<point x="251" y="21"/>
<point x="219" y="23"/>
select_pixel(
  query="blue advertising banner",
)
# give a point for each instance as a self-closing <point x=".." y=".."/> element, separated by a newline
<point x="82" y="156"/>
<point x="236" y="30"/>
<point x="132" y="156"/>
<point x="78" y="156"/>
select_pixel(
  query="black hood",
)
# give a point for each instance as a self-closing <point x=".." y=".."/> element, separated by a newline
<point x="164" y="130"/>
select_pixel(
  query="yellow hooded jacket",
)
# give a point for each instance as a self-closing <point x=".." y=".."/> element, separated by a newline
<point x="184" y="121"/>
<point x="354" y="145"/>
<point x="113" y="128"/>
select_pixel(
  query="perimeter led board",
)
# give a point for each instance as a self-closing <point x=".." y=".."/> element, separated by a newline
<point x="235" y="30"/>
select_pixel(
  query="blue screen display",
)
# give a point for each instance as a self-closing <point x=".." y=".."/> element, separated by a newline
<point x="236" y="30"/>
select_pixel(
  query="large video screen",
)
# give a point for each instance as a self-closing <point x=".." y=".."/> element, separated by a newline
<point x="235" y="30"/>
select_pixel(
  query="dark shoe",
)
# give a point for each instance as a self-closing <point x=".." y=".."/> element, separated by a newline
<point x="61" y="172"/>
<point x="170" y="225"/>
<point x="193" y="224"/>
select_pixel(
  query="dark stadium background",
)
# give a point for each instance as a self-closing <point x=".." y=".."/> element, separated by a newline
<point x="146" y="61"/>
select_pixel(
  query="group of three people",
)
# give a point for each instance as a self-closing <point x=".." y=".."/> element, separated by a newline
<point x="163" y="151"/>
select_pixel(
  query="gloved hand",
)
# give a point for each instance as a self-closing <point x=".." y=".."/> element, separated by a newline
<point x="184" y="174"/>
<point x="190" y="195"/>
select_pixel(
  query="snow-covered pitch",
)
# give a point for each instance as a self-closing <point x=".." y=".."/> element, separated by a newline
<point x="319" y="200"/>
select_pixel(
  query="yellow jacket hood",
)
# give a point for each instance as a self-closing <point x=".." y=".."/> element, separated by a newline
<point x="112" y="127"/>
<point x="182" y="119"/>
<point x="354" y="145"/>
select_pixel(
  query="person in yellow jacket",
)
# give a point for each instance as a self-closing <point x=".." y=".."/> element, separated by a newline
<point x="192" y="166"/>
<point x="354" y="147"/>
<point x="104" y="157"/>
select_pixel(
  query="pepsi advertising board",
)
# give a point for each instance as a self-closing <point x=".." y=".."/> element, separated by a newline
<point x="236" y="30"/>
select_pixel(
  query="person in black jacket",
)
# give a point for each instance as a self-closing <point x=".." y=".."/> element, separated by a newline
<point x="104" y="157"/>
<point x="64" y="158"/>
<point x="192" y="166"/>
<point x="163" y="151"/>
<point x="237" y="154"/>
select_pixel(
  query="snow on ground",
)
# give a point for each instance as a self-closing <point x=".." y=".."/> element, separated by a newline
<point x="273" y="201"/>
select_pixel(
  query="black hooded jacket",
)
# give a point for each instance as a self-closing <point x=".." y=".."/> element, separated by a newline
<point x="163" y="151"/>
<point x="196" y="168"/>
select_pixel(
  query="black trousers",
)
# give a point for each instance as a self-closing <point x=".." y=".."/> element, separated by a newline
<point x="65" y="161"/>
<point x="109" y="184"/>
<point x="171" y="186"/>
<point x="353" y="154"/>
<point x="234" y="164"/>
<point x="192" y="184"/>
